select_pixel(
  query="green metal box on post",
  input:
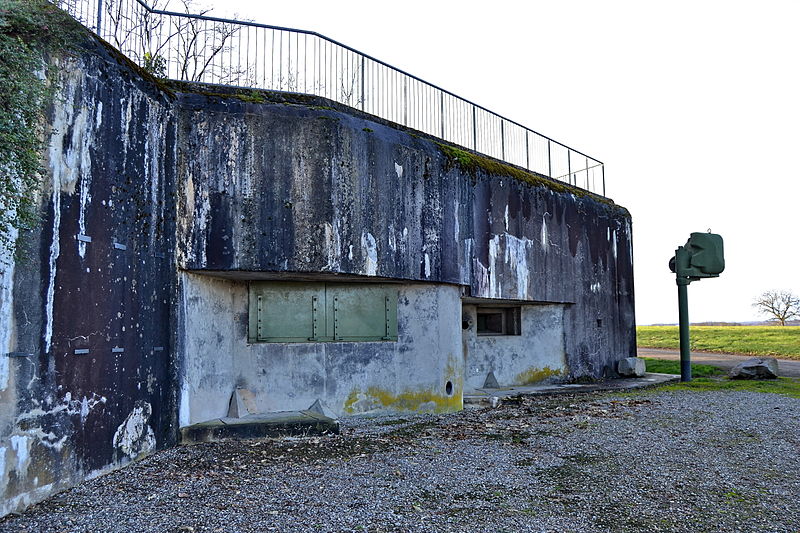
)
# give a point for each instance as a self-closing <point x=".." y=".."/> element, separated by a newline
<point x="701" y="257"/>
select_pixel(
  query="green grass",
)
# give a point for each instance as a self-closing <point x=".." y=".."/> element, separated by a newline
<point x="662" y="366"/>
<point x="786" y="386"/>
<point x="774" y="341"/>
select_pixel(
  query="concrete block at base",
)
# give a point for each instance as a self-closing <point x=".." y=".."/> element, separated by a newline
<point x="242" y="404"/>
<point x="631" y="367"/>
<point x="756" y="368"/>
<point x="259" y="426"/>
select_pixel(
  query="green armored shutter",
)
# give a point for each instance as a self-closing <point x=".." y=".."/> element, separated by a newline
<point x="287" y="312"/>
<point x="361" y="312"/>
<point x="318" y="312"/>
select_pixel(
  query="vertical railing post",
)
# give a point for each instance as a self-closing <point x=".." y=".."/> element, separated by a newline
<point x="441" y="111"/>
<point x="363" y="95"/>
<point x="405" y="101"/>
<point x="99" y="18"/>
<point x="549" y="161"/>
<point x="587" y="174"/>
<point x="502" y="140"/>
<point x="603" y="173"/>
<point x="474" y="128"/>
<point x="569" y="167"/>
<point x="527" y="151"/>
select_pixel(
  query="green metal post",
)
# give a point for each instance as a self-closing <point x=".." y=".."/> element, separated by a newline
<point x="683" y="319"/>
<point x="700" y="258"/>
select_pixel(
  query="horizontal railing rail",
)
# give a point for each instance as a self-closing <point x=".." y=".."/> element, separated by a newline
<point x="201" y="48"/>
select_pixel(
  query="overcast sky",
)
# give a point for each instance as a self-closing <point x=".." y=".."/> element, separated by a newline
<point x="694" y="107"/>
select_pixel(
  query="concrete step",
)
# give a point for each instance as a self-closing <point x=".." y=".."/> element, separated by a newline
<point x="486" y="397"/>
<point x="259" y="426"/>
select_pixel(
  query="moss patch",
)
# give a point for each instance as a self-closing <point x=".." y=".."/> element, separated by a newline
<point x="472" y="164"/>
<point x="30" y="30"/>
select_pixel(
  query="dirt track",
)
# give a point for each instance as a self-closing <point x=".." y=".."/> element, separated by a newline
<point x="786" y="367"/>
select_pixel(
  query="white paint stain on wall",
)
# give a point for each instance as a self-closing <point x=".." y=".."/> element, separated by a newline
<point x="21" y="445"/>
<point x="202" y="213"/>
<point x="513" y="251"/>
<point x="398" y="170"/>
<point x="466" y="260"/>
<point x="153" y="149"/>
<point x="7" y="265"/>
<point x="392" y="238"/>
<point x="517" y="258"/>
<point x="427" y="265"/>
<point x="494" y="282"/>
<point x="403" y="245"/>
<point x="333" y="245"/>
<point x="184" y="409"/>
<point x="67" y="166"/>
<point x="456" y="227"/>
<point x="614" y="244"/>
<point x="630" y="241"/>
<point x="86" y="199"/>
<point x="134" y="436"/>
<point x="370" y="250"/>
<point x="595" y="287"/>
<point x="31" y="419"/>
<point x="543" y="234"/>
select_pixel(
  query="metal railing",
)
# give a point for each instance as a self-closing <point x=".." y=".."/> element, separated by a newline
<point x="206" y="49"/>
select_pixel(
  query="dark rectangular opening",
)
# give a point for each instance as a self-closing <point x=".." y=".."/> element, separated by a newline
<point x="498" y="321"/>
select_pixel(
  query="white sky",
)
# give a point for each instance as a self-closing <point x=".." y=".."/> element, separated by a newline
<point x="694" y="107"/>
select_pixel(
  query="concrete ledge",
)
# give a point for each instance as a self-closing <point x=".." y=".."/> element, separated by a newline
<point x="259" y="426"/>
<point x="493" y="397"/>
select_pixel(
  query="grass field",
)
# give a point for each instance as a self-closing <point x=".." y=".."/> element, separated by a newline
<point x="787" y="386"/>
<point x="751" y="340"/>
<point x="663" y="366"/>
<point x="711" y="378"/>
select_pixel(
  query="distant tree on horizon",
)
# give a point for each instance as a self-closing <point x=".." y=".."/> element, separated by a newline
<point x="780" y="305"/>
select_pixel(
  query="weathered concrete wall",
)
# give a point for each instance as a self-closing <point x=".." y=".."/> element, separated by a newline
<point x="298" y="189"/>
<point x="110" y="344"/>
<point x="348" y="377"/>
<point x="88" y="321"/>
<point x="535" y="355"/>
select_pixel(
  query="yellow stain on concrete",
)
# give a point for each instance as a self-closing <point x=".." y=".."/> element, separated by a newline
<point x="376" y="398"/>
<point x="536" y="375"/>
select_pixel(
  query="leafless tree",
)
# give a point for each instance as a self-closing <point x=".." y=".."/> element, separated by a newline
<point x="188" y="48"/>
<point x="779" y="305"/>
<point x="350" y="89"/>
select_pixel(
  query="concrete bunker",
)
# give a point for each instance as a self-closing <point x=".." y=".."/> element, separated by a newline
<point x="164" y="206"/>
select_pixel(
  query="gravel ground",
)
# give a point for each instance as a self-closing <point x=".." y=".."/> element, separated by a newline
<point x="652" y="461"/>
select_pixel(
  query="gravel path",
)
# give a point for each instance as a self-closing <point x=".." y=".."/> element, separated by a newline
<point x="652" y="461"/>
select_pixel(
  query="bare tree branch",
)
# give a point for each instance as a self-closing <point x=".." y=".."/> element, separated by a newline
<point x="190" y="48"/>
<point x="779" y="305"/>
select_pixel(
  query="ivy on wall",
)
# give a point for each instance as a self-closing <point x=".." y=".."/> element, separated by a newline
<point x="30" y="31"/>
